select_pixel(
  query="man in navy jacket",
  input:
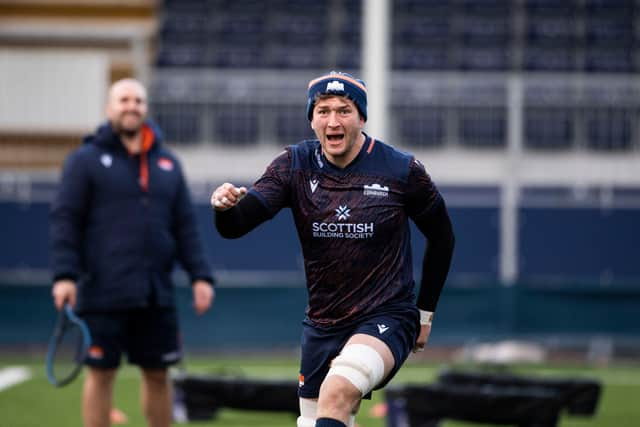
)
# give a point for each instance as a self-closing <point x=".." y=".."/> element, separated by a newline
<point x="122" y="217"/>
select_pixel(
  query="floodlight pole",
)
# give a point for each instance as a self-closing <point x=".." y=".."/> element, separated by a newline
<point x="510" y="188"/>
<point x="376" y="64"/>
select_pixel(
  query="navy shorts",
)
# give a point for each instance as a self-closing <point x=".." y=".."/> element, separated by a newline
<point x="148" y="336"/>
<point x="398" y="327"/>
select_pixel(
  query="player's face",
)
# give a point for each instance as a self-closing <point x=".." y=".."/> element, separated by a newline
<point x="127" y="107"/>
<point x="338" y="126"/>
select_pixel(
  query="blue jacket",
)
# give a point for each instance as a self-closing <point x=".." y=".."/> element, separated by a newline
<point x="118" y="241"/>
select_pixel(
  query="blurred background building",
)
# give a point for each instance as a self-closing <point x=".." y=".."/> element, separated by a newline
<point x="525" y="112"/>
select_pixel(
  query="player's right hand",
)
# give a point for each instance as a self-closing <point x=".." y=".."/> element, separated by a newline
<point x="423" y="337"/>
<point x="227" y="196"/>
<point x="64" y="291"/>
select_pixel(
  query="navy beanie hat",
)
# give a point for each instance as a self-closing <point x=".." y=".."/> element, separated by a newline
<point x="341" y="84"/>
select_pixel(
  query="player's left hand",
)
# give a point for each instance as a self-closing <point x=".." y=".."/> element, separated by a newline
<point x="423" y="337"/>
<point x="203" y="296"/>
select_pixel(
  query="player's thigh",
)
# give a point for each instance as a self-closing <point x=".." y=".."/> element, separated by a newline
<point x="318" y="348"/>
<point x="153" y="339"/>
<point x="378" y="345"/>
<point x="393" y="333"/>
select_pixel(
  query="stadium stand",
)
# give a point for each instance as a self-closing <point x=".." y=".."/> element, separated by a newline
<point x="483" y="127"/>
<point x="237" y="125"/>
<point x="550" y="58"/>
<point x="181" y="123"/>
<point x="609" y="129"/>
<point x="533" y="37"/>
<point x="549" y="128"/>
<point x="291" y="126"/>
<point x="423" y="127"/>
<point x="484" y="36"/>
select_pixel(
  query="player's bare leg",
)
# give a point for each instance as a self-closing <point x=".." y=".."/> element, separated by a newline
<point x="338" y="399"/>
<point x="340" y="392"/>
<point x="156" y="397"/>
<point x="96" y="397"/>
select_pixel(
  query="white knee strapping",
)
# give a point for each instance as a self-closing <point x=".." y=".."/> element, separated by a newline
<point x="361" y="365"/>
<point x="308" y="413"/>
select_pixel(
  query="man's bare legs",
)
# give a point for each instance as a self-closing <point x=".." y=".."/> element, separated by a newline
<point x="97" y="396"/>
<point x="155" y="395"/>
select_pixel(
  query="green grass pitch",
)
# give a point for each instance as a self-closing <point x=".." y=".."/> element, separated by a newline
<point x="36" y="403"/>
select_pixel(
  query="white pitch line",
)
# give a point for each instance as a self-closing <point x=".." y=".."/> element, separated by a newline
<point x="13" y="375"/>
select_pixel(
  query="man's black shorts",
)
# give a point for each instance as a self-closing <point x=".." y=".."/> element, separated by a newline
<point x="148" y="336"/>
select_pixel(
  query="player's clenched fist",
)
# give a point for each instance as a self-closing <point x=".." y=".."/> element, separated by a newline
<point x="227" y="196"/>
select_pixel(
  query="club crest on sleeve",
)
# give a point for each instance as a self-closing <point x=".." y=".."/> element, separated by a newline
<point x="165" y="164"/>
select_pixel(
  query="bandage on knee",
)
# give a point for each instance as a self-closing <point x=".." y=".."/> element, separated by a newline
<point x="361" y="365"/>
<point x="308" y="413"/>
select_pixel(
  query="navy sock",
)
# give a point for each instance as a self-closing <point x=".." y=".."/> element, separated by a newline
<point x="329" y="422"/>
